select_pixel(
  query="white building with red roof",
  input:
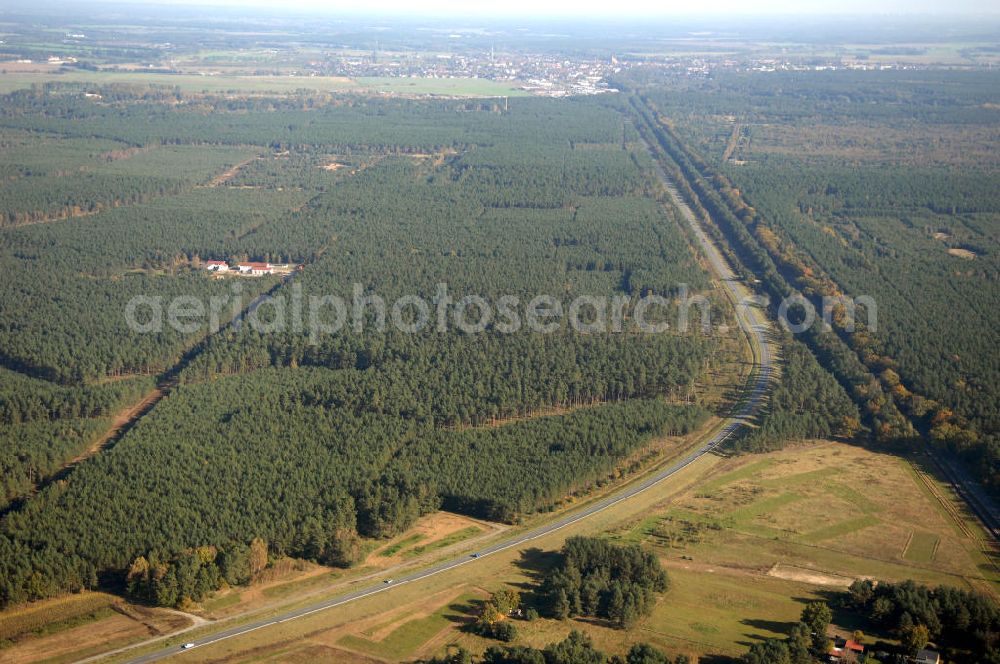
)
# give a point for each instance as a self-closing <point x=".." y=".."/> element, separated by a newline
<point x="255" y="269"/>
<point x="217" y="266"/>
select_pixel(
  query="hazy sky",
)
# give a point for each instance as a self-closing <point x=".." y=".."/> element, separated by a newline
<point x="620" y="8"/>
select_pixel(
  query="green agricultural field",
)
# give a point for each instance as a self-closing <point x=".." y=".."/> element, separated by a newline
<point x="406" y="638"/>
<point x="247" y="84"/>
<point x="453" y="538"/>
<point x="404" y="543"/>
<point x="922" y="547"/>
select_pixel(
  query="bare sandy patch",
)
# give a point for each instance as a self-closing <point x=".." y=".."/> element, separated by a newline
<point x="228" y="174"/>
<point x="436" y="158"/>
<point x="428" y="529"/>
<point x="962" y="253"/>
<point x="801" y="574"/>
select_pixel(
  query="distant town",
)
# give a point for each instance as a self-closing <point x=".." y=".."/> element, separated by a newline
<point x="542" y="74"/>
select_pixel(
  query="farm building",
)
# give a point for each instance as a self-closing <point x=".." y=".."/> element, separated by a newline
<point x="217" y="266"/>
<point x="846" y="650"/>
<point x="255" y="269"/>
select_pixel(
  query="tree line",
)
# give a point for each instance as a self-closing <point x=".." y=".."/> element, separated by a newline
<point x="577" y="648"/>
<point x="963" y="625"/>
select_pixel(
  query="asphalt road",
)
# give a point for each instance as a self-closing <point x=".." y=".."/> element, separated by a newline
<point x="748" y="317"/>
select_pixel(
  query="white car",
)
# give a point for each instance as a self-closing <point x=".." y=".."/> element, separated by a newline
<point x="187" y="646"/>
<point x="387" y="581"/>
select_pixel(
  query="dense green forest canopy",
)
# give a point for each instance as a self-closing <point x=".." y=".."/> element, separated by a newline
<point x="313" y="443"/>
<point x="880" y="184"/>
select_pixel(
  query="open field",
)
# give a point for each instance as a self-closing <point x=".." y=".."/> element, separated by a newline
<point x="827" y="507"/>
<point x="922" y="547"/>
<point x="13" y="79"/>
<point x="399" y="639"/>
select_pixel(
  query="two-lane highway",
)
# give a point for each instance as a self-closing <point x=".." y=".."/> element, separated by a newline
<point x="750" y="319"/>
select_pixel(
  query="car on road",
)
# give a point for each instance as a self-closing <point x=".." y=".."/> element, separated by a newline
<point x="387" y="581"/>
<point x="474" y="555"/>
<point x="187" y="646"/>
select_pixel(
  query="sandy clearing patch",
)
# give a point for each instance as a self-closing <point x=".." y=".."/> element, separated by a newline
<point x="941" y="235"/>
<point x="228" y="174"/>
<point x="792" y="573"/>
<point x="962" y="253"/>
<point x="116" y="622"/>
<point x="437" y="158"/>
<point x="431" y="528"/>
